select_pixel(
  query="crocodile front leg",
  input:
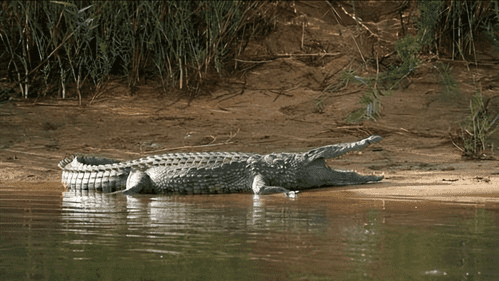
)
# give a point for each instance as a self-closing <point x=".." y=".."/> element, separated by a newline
<point x="259" y="186"/>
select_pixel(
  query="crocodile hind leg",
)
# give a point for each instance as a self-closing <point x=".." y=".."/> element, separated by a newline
<point x="137" y="182"/>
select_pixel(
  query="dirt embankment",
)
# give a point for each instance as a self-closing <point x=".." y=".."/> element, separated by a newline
<point x="273" y="106"/>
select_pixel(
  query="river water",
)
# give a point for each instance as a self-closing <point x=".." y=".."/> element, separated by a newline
<point x="325" y="234"/>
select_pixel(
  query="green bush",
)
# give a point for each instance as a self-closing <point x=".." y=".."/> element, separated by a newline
<point x="456" y="22"/>
<point x="454" y="25"/>
<point x="57" y="42"/>
<point x="478" y="128"/>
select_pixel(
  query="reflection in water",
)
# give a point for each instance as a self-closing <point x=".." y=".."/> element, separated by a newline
<point x="240" y="236"/>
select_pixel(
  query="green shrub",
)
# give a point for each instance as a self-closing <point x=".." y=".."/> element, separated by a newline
<point x="178" y="41"/>
<point x="478" y="128"/>
<point x="454" y="25"/>
<point x="450" y="87"/>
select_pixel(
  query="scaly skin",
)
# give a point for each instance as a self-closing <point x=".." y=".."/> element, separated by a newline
<point x="215" y="172"/>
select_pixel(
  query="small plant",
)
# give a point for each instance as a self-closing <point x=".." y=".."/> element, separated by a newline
<point x="384" y="83"/>
<point x="6" y="94"/>
<point x="450" y="87"/>
<point x="407" y="49"/>
<point x="431" y="15"/>
<point x="319" y="105"/>
<point x="479" y="126"/>
<point x="370" y="101"/>
<point x="371" y="107"/>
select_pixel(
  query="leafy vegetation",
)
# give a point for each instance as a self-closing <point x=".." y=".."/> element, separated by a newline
<point x="384" y="83"/>
<point x="478" y="128"/>
<point x="58" y="42"/>
<point x="370" y="100"/>
<point x="479" y="125"/>
<point x="454" y="25"/>
<point x="442" y="25"/>
<point x="450" y="88"/>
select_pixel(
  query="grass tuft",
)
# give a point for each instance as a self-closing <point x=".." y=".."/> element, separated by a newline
<point x="477" y="129"/>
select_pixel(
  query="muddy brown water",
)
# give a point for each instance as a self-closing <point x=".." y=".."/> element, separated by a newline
<point x="323" y="234"/>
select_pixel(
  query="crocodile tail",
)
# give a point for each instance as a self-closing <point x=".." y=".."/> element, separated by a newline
<point x="63" y="164"/>
<point x="82" y="173"/>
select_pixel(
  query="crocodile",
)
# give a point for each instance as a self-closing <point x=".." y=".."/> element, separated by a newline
<point x="215" y="172"/>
